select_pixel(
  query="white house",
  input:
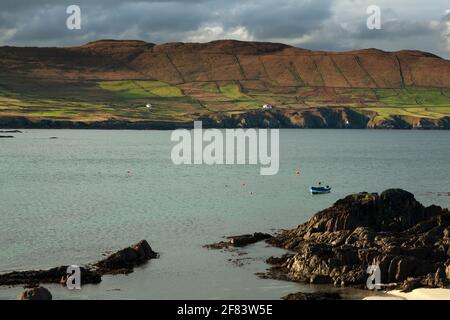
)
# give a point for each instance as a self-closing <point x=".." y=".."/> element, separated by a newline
<point x="148" y="105"/>
<point x="267" y="106"/>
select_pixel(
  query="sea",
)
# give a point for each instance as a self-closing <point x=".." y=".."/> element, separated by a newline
<point x="70" y="197"/>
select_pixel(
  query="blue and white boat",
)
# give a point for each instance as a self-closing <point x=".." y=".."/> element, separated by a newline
<point x="320" y="190"/>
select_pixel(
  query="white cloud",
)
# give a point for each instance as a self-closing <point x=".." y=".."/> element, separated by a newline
<point x="210" y="32"/>
<point x="446" y="36"/>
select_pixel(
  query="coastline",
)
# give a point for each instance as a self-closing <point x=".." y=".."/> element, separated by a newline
<point x="257" y="119"/>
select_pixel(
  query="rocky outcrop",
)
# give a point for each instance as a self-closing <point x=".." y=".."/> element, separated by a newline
<point x="336" y="118"/>
<point x="312" y="118"/>
<point x="53" y="275"/>
<point x="239" y="241"/>
<point x="408" y="242"/>
<point x="10" y="131"/>
<point x="119" y="124"/>
<point x="125" y="260"/>
<point x="38" y="293"/>
<point x="319" y="118"/>
<point x="409" y="122"/>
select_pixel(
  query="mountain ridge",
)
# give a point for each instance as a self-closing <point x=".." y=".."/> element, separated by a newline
<point x="245" y="60"/>
<point x="229" y="42"/>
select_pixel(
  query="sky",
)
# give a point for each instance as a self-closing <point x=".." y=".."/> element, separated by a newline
<point x="337" y="25"/>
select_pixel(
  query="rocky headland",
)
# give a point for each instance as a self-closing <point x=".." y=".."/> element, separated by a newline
<point x="409" y="243"/>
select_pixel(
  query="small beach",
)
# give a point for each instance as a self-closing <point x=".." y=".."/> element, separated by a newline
<point x="417" y="294"/>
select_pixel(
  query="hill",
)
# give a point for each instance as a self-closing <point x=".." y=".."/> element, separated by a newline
<point x="109" y="83"/>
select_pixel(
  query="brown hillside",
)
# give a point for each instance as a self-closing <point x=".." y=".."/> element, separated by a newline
<point x="266" y="64"/>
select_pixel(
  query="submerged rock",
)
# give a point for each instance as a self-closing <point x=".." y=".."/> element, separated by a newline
<point x="239" y="241"/>
<point x="407" y="241"/>
<point x="125" y="260"/>
<point x="37" y="293"/>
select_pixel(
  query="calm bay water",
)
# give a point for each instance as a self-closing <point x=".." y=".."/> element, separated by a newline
<point x="69" y="200"/>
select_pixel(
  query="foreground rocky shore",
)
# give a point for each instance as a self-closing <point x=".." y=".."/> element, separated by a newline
<point x="409" y="243"/>
<point x="120" y="262"/>
<point x="388" y="240"/>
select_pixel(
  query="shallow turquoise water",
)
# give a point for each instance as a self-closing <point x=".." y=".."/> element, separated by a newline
<point x="69" y="200"/>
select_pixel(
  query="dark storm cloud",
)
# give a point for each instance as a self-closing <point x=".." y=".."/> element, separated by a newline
<point x="397" y="29"/>
<point x="314" y="24"/>
<point x="20" y="4"/>
<point x="45" y="20"/>
<point x="36" y="29"/>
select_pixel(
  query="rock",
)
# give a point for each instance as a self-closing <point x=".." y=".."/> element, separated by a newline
<point x="320" y="279"/>
<point x="440" y="277"/>
<point x="239" y="241"/>
<point x="243" y="240"/>
<point x="122" y="261"/>
<point x="408" y="242"/>
<point x="446" y="233"/>
<point x="405" y="268"/>
<point x="125" y="260"/>
<point x="88" y="276"/>
<point x="37" y="293"/>
<point x="278" y="260"/>
<point x="54" y="275"/>
<point x="410" y="284"/>
<point x="10" y="131"/>
<point x="314" y="296"/>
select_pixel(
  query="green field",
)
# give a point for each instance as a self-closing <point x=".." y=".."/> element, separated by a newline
<point x="416" y="112"/>
<point x="101" y="100"/>
<point x="234" y="93"/>
<point x="413" y="96"/>
<point x="141" y="89"/>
